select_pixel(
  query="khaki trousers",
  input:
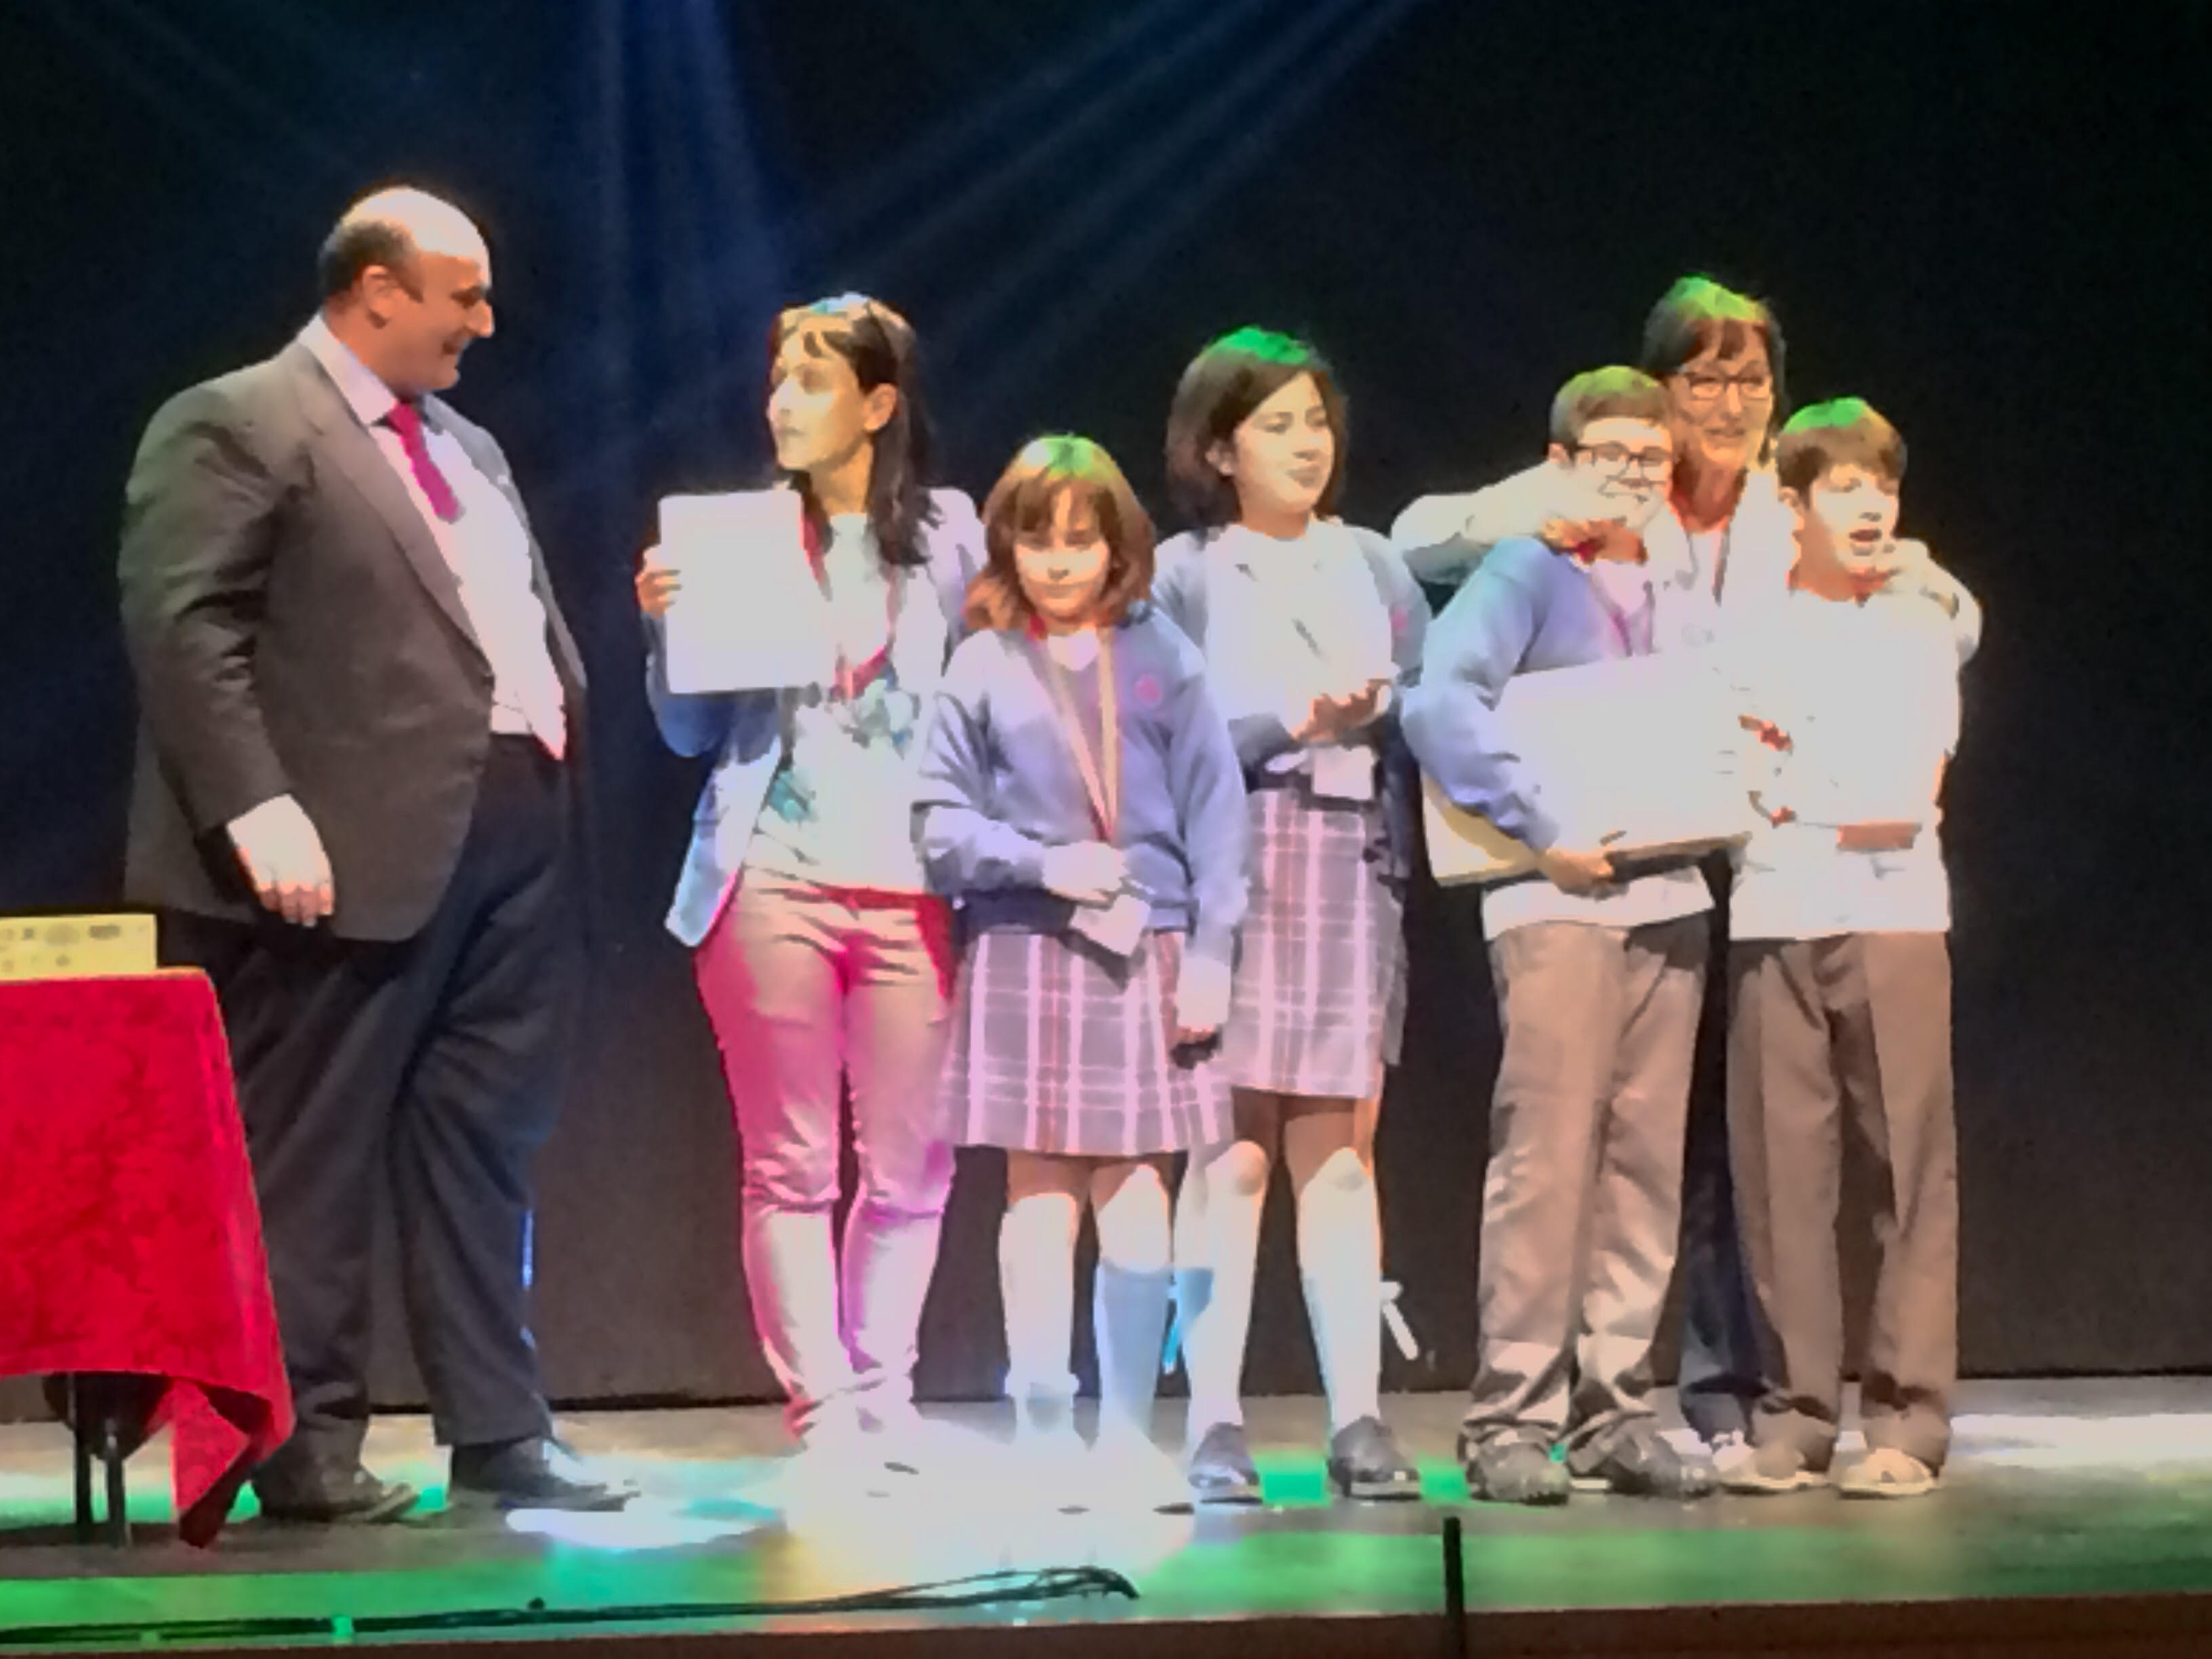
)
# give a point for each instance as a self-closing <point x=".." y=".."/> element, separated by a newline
<point x="1847" y="1034"/>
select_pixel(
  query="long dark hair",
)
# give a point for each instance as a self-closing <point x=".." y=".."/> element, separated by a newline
<point x="1217" y="393"/>
<point x="879" y="344"/>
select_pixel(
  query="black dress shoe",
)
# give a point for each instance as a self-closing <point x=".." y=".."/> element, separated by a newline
<point x="1365" y="1462"/>
<point x="535" y="1474"/>
<point x="328" y="1495"/>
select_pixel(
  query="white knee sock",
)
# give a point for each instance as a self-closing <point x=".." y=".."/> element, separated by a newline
<point x="1236" y="1177"/>
<point x="1036" y="1278"/>
<point x="1193" y="1274"/>
<point x="1340" y="1265"/>
<point x="1129" y="1304"/>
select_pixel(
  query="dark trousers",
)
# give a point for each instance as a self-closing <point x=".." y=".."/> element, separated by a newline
<point x="437" y="1059"/>
<point x="1848" y="1035"/>
<point x="1718" y="1382"/>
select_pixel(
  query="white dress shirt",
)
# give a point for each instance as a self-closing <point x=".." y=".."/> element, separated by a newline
<point x="487" y="548"/>
<point x="1868" y="694"/>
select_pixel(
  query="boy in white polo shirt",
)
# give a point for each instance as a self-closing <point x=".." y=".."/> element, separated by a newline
<point x="1839" y="977"/>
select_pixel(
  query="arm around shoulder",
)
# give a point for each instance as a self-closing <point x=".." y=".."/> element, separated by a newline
<point x="1444" y="536"/>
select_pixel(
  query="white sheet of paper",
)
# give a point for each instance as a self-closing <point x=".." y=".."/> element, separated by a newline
<point x="1647" y="746"/>
<point x="1343" y="771"/>
<point x="749" y="615"/>
<point x="1117" y="928"/>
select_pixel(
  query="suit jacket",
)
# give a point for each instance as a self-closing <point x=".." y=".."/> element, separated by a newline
<point x="294" y="629"/>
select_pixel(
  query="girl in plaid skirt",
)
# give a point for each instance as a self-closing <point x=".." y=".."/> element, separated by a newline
<point x="1308" y="627"/>
<point x="1081" y="801"/>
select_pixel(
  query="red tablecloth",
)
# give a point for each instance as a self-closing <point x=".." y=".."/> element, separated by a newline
<point x="129" y="1236"/>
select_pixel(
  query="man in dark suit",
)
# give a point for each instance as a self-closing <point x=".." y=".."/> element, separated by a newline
<point x="355" y="806"/>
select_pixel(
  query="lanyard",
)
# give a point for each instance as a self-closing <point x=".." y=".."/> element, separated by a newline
<point x="1104" y="791"/>
<point x="1620" y="618"/>
<point x="850" y="681"/>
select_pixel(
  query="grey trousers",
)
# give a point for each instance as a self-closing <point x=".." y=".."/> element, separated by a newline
<point x="1850" y="1033"/>
<point x="1582" y="1200"/>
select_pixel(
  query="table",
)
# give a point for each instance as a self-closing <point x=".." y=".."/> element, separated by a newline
<point x="131" y="1254"/>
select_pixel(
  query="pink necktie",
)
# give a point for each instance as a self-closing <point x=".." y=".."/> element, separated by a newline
<point x="406" y="420"/>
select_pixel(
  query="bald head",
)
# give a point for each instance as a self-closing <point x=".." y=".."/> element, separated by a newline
<point x="406" y="283"/>
<point x="390" y="229"/>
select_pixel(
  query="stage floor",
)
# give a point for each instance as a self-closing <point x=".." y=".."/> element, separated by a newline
<point x="2097" y="1493"/>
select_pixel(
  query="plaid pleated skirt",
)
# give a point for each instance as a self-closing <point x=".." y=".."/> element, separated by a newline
<point x="1057" y="1047"/>
<point x="1318" y="1006"/>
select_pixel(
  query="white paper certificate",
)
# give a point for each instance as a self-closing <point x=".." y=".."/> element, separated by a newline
<point x="1646" y="746"/>
<point x="748" y="614"/>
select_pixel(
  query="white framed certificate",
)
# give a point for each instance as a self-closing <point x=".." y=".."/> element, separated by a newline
<point x="748" y="614"/>
<point x="1646" y="746"/>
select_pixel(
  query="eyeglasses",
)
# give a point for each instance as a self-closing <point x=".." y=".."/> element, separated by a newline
<point x="1621" y="460"/>
<point x="1755" y="387"/>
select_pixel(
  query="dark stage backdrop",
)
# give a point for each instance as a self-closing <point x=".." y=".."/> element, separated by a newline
<point x="1974" y="218"/>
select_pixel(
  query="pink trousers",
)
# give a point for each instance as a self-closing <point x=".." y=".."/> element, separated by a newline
<point x="810" y="987"/>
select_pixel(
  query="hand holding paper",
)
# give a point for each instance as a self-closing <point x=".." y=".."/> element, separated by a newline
<point x="1088" y="871"/>
<point x="1885" y="835"/>
<point x="1202" y="999"/>
<point x="1582" y="873"/>
<point x="743" y="609"/>
<point x="656" y="583"/>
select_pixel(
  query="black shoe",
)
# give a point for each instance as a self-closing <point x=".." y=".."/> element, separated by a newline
<point x="1637" y="1463"/>
<point x="1221" y="1469"/>
<point x="1514" y="1468"/>
<point x="1364" y="1461"/>
<point x="534" y="1473"/>
<point x="326" y="1495"/>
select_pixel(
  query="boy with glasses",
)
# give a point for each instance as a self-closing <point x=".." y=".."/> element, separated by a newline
<point x="1599" y="977"/>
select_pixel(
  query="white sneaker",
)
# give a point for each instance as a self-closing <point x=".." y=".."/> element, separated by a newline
<point x="1731" y="1455"/>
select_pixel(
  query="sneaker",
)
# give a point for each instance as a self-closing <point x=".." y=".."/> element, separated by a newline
<point x="1730" y="1454"/>
<point x="1513" y="1468"/>
<point x="1776" y="1467"/>
<point x="1886" y="1472"/>
<point x="1637" y="1461"/>
<point x="1364" y="1461"/>
<point x="1221" y="1470"/>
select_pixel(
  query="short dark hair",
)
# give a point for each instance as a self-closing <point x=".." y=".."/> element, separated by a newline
<point x="1602" y="394"/>
<point x="1217" y="393"/>
<point x="355" y="245"/>
<point x="1022" y="503"/>
<point x="1842" y="432"/>
<point x="1699" y="315"/>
